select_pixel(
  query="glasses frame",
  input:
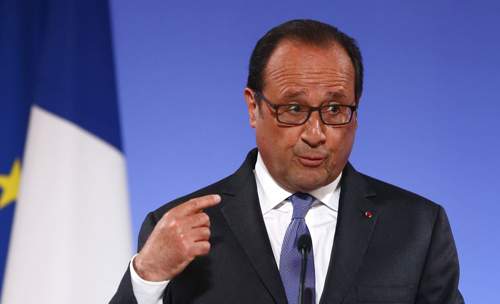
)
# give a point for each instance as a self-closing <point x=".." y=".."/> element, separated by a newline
<point x="275" y="107"/>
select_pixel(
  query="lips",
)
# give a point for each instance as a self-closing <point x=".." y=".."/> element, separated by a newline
<point x="311" y="161"/>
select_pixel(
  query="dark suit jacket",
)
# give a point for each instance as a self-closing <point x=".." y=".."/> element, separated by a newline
<point x="403" y="253"/>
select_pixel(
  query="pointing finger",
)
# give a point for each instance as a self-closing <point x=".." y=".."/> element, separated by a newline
<point x="196" y="205"/>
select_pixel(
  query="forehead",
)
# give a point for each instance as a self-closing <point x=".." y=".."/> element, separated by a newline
<point x="298" y="65"/>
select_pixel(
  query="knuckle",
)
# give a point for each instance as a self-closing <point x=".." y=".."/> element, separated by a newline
<point x="165" y="218"/>
<point x="175" y="224"/>
<point x="194" y="204"/>
<point x="169" y="218"/>
<point x="176" y="229"/>
<point x="206" y="233"/>
<point x="185" y="247"/>
<point x="204" y="217"/>
<point x="205" y="247"/>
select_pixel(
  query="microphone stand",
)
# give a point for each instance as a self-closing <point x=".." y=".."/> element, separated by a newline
<point x="303" y="252"/>
<point x="304" y="245"/>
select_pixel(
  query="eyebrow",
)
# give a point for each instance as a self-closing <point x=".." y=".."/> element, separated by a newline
<point x="294" y="94"/>
<point x="337" y="95"/>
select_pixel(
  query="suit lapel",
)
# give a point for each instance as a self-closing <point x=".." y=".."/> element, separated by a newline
<point x="353" y="233"/>
<point x="244" y="216"/>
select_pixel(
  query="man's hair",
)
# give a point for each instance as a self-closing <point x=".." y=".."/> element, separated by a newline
<point x="309" y="32"/>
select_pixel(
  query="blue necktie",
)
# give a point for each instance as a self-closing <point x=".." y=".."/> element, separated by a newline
<point x="291" y="259"/>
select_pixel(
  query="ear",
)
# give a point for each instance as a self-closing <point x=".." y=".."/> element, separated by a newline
<point x="253" y="110"/>
<point x="356" y="114"/>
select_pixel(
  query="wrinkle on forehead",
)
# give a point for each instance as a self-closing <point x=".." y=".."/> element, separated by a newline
<point x="283" y="77"/>
<point x="294" y="67"/>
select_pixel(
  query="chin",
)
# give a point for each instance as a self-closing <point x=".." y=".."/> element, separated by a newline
<point x="310" y="184"/>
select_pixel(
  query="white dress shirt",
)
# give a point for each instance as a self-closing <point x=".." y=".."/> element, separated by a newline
<point x="277" y="210"/>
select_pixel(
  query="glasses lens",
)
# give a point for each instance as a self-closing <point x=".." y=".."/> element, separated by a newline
<point x="336" y="114"/>
<point x="297" y="114"/>
<point x="293" y="113"/>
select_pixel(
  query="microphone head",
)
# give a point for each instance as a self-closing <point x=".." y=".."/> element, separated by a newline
<point x="304" y="242"/>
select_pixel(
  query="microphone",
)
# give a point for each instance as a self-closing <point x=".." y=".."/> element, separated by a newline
<point x="304" y="245"/>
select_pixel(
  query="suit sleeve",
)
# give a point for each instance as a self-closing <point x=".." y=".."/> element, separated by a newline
<point x="125" y="292"/>
<point x="439" y="280"/>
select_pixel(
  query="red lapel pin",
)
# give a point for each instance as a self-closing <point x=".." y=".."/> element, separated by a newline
<point x="368" y="214"/>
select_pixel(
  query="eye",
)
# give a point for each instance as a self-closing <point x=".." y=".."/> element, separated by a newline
<point x="294" y="109"/>
<point x="332" y="109"/>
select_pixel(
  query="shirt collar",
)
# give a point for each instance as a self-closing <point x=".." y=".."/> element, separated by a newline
<point x="271" y="194"/>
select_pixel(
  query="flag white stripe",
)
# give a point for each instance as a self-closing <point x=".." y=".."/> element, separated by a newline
<point x="71" y="238"/>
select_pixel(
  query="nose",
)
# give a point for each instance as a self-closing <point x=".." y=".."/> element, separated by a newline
<point x="314" y="131"/>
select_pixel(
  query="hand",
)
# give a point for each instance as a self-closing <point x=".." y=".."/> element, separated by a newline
<point x="181" y="235"/>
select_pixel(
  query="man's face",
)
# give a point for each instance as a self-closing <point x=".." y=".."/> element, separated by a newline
<point x="306" y="157"/>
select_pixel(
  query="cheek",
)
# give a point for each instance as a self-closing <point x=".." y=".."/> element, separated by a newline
<point x="275" y="136"/>
<point x="341" y="142"/>
<point x="265" y="137"/>
<point x="276" y="143"/>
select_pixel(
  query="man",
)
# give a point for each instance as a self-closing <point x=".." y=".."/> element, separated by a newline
<point x="236" y="240"/>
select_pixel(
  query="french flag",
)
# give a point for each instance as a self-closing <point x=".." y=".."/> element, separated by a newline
<point x="71" y="232"/>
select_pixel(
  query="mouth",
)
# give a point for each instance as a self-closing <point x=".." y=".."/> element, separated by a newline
<point x="311" y="161"/>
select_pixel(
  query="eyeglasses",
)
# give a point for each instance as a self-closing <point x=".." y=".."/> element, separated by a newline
<point x="297" y="114"/>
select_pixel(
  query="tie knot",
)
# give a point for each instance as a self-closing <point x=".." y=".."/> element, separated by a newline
<point x="301" y="203"/>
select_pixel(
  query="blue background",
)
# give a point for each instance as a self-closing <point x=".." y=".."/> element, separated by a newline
<point x="427" y="118"/>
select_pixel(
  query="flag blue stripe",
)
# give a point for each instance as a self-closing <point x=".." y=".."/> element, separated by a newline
<point x="6" y="217"/>
<point x="76" y="73"/>
<point x="20" y="44"/>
